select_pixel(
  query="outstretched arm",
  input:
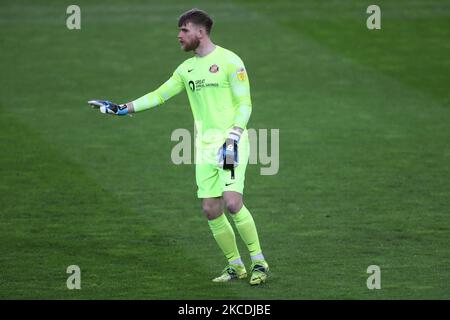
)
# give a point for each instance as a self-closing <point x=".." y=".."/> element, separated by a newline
<point x="167" y="90"/>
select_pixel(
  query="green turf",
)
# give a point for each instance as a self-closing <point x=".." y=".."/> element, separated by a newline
<point x="364" y="119"/>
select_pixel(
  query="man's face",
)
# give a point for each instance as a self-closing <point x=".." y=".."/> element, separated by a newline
<point x="189" y="36"/>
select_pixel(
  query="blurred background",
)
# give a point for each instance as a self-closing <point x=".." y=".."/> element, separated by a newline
<point x="364" y="177"/>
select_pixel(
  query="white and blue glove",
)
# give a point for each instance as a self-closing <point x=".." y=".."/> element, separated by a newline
<point x="109" y="107"/>
<point x="228" y="157"/>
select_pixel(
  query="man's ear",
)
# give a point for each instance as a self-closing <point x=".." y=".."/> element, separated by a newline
<point x="202" y="32"/>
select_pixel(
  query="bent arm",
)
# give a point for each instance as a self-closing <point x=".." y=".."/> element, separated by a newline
<point x="240" y="87"/>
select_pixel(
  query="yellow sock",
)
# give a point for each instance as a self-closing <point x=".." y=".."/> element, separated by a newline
<point x="247" y="229"/>
<point x="225" y="238"/>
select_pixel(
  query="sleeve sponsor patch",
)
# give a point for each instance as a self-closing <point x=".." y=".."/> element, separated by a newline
<point x="241" y="74"/>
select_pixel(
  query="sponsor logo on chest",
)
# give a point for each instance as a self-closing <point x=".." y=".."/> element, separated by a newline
<point x="213" y="82"/>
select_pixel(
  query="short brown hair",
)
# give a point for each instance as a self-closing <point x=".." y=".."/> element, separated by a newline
<point x="198" y="17"/>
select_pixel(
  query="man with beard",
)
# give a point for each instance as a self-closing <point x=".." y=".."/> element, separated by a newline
<point x="218" y="89"/>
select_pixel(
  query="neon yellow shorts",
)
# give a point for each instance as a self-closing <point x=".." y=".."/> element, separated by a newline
<point x="211" y="180"/>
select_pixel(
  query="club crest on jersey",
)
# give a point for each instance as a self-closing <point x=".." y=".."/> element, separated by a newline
<point x="214" y="68"/>
<point x="241" y="74"/>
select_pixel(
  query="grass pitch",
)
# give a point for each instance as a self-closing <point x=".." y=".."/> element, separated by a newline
<point x="364" y="179"/>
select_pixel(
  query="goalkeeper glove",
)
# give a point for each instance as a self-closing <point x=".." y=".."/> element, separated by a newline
<point x="109" y="107"/>
<point x="228" y="154"/>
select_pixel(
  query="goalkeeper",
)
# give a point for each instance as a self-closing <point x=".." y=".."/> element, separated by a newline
<point x="218" y="89"/>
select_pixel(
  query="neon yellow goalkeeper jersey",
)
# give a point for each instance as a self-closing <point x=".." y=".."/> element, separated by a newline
<point x="219" y="94"/>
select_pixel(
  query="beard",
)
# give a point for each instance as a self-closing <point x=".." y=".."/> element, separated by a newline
<point x="192" y="45"/>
